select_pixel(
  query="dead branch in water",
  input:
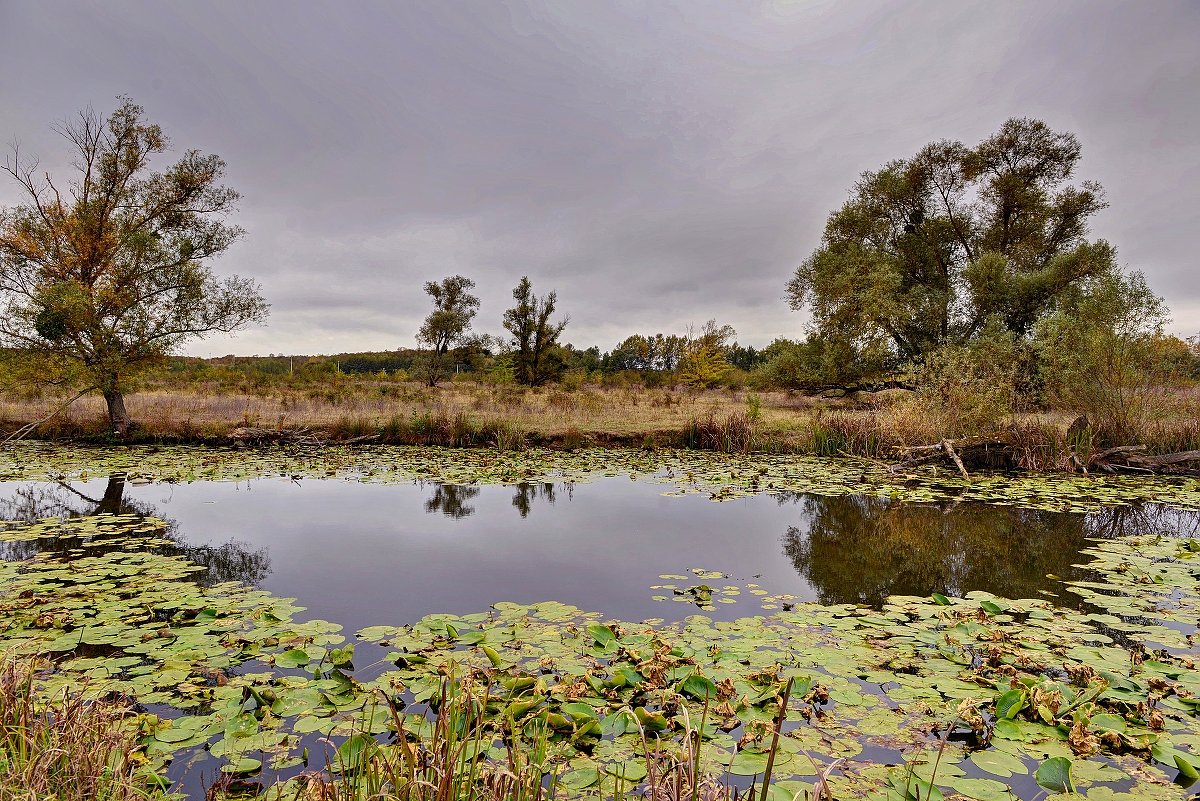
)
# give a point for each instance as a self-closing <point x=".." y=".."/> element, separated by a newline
<point x="1000" y="449"/>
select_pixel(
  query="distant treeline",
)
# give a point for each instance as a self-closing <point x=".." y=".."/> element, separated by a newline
<point x="656" y="353"/>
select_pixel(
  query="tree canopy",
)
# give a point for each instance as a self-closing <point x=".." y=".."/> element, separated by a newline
<point x="447" y="325"/>
<point x="534" y="336"/>
<point x="104" y="276"/>
<point x="704" y="361"/>
<point x="929" y="249"/>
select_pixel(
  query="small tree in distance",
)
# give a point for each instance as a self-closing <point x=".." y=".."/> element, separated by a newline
<point x="534" y="336"/>
<point x="447" y="325"/>
<point x="104" y="278"/>
<point x="704" y="362"/>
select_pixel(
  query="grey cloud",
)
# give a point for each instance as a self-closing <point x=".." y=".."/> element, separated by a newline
<point x="657" y="163"/>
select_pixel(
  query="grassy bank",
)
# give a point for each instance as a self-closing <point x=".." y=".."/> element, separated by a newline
<point x="509" y="417"/>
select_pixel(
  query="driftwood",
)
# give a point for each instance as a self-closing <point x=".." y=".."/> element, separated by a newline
<point x="990" y="450"/>
<point x="1000" y="450"/>
<point x="1135" y="459"/>
<point x="253" y="435"/>
<point x="948" y="447"/>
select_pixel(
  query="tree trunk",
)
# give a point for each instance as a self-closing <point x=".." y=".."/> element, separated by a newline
<point x="114" y="496"/>
<point x="118" y="418"/>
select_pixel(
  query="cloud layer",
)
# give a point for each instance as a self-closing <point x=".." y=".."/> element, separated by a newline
<point x="657" y="163"/>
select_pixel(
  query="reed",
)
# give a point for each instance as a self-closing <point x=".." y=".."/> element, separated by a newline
<point x="65" y="748"/>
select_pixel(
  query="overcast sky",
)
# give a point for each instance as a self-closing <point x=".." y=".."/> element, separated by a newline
<point x="657" y="163"/>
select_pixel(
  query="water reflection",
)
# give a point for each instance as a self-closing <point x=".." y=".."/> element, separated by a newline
<point x="525" y="494"/>
<point x="1123" y="521"/>
<point x="384" y="553"/>
<point x="860" y="549"/>
<point x="451" y="500"/>
<point x="226" y="561"/>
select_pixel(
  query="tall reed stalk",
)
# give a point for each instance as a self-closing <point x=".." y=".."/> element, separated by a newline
<point x="65" y="748"/>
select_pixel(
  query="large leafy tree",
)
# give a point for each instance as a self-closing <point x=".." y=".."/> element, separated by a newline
<point x="106" y="275"/>
<point x="447" y="326"/>
<point x="534" y="334"/>
<point x="929" y="249"/>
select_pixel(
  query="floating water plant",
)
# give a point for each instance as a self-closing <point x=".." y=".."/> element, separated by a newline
<point x="982" y="696"/>
<point x="720" y="476"/>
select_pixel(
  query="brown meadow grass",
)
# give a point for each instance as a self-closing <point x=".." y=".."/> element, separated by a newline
<point x="463" y="413"/>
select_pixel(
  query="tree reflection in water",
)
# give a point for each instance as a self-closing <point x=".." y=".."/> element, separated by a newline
<point x="451" y="500"/>
<point x="525" y="494"/>
<point x="228" y="561"/>
<point x="859" y="549"/>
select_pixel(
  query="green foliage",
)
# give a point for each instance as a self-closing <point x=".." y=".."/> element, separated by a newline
<point x="657" y="352"/>
<point x="971" y="388"/>
<point x="502" y="370"/>
<point x="447" y="325"/>
<point x="927" y="250"/>
<point x="702" y="366"/>
<point x="703" y="362"/>
<point x="818" y="362"/>
<point x="534" y="336"/>
<point x="104" y="281"/>
<point x="1104" y="355"/>
<point x="754" y="407"/>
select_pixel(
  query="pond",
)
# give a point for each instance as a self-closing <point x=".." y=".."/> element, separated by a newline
<point x="351" y="552"/>
<point x="405" y="561"/>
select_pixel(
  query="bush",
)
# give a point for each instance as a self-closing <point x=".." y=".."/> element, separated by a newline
<point x="818" y="362"/>
<point x="1104" y="355"/>
<point x="968" y="389"/>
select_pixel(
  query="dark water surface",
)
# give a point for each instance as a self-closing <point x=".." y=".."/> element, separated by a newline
<point x="363" y="554"/>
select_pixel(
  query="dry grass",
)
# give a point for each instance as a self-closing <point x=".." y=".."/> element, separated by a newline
<point x="509" y="416"/>
<point x="66" y="749"/>
<point x="591" y="412"/>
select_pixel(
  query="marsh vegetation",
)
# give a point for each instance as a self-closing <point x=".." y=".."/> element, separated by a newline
<point x="534" y="624"/>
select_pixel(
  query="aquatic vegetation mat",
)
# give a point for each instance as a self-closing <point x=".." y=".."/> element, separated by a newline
<point x="720" y="476"/>
<point x="978" y="697"/>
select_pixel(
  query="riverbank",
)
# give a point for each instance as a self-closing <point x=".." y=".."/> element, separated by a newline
<point x="883" y="425"/>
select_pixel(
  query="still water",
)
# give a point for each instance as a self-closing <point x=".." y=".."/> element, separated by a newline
<point x="362" y="554"/>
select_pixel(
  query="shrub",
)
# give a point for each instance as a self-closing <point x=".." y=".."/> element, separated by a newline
<point x="1104" y="355"/>
<point x="968" y="389"/>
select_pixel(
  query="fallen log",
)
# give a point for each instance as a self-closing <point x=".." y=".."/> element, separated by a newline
<point x="253" y="435"/>
<point x="984" y="451"/>
<point x="953" y="454"/>
<point x="1000" y="450"/>
<point x="1172" y="458"/>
